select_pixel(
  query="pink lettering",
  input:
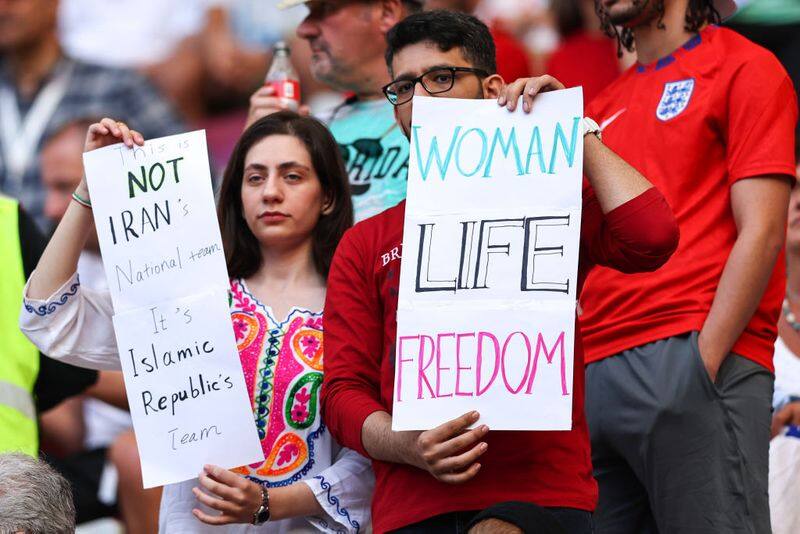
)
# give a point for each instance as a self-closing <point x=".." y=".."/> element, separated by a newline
<point x="460" y="393"/>
<point x="549" y="355"/>
<point x="479" y="365"/>
<point x="421" y="377"/>
<point x="400" y="361"/>
<point x="439" y="367"/>
<point x="527" y="363"/>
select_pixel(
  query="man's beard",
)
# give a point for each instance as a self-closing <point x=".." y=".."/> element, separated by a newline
<point x="329" y="69"/>
<point x="633" y="15"/>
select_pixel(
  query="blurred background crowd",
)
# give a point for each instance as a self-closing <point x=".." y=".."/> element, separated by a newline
<point x="168" y="67"/>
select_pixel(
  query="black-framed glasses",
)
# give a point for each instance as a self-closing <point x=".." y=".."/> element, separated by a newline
<point x="435" y="81"/>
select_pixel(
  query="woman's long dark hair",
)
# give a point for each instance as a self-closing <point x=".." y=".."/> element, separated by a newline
<point x="242" y="250"/>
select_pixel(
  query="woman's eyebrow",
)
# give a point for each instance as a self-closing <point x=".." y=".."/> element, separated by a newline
<point x="256" y="167"/>
<point x="289" y="164"/>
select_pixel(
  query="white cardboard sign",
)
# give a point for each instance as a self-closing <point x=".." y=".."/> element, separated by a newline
<point x="486" y="310"/>
<point x="162" y="252"/>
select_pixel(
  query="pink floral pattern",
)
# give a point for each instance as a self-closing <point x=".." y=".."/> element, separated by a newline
<point x="276" y="358"/>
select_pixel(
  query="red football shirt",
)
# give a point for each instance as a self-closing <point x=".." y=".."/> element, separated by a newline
<point x="718" y="110"/>
<point x="547" y="468"/>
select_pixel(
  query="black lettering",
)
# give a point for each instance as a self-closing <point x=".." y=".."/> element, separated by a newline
<point x="113" y="232"/>
<point x="175" y="168"/>
<point x="206" y="432"/>
<point x="133" y="180"/>
<point x="127" y="224"/>
<point x="528" y="282"/>
<point x="161" y="178"/>
<point x="163" y="215"/>
<point x="147" y="398"/>
<point x="133" y="362"/>
<point x="424" y="258"/>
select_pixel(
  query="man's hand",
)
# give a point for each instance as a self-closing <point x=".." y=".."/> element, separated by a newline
<point x="788" y="415"/>
<point x="528" y="88"/>
<point x="711" y="356"/>
<point x="759" y="206"/>
<point x="450" y="452"/>
<point x="264" y="102"/>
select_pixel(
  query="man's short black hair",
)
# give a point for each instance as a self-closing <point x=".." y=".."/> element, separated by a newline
<point x="447" y="30"/>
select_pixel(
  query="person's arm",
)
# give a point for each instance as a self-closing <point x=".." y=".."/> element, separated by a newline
<point x="237" y="498"/>
<point x="759" y="208"/>
<point x="344" y="491"/>
<point x="350" y="392"/>
<point x="614" y="181"/>
<point x="353" y="330"/>
<point x="637" y="236"/>
<point x="638" y="231"/>
<point x="340" y="496"/>
<point x="758" y="123"/>
<point x="110" y="388"/>
<point x="63" y="320"/>
<point x="449" y="452"/>
<point x="60" y="259"/>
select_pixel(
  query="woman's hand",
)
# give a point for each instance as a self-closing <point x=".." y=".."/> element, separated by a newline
<point x="527" y="88"/>
<point x="235" y="497"/>
<point x="104" y="133"/>
<point x="107" y="132"/>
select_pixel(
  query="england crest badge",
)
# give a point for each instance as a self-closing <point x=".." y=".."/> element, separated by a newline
<point x="674" y="99"/>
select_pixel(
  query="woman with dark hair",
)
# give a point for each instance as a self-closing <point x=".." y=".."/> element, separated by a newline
<point x="284" y="204"/>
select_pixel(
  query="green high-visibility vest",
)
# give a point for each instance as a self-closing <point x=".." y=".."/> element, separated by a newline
<point x="19" y="359"/>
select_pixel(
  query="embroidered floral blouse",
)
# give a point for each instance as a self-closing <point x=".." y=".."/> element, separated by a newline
<point x="283" y="367"/>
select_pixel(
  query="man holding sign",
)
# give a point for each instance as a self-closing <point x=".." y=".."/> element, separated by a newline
<point x="626" y="224"/>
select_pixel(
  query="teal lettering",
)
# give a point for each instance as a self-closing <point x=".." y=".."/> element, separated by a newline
<point x="484" y="142"/>
<point x="505" y="146"/>
<point x="536" y="139"/>
<point x="434" y="153"/>
<point x="569" y="152"/>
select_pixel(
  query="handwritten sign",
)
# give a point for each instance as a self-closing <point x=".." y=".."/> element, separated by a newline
<point x="162" y="252"/>
<point x="486" y="311"/>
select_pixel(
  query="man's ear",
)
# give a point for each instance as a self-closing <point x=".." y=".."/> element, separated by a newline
<point x="392" y="12"/>
<point x="493" y="86"/>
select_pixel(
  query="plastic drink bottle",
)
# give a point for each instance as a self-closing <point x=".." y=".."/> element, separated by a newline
<point x="283" y="78"/>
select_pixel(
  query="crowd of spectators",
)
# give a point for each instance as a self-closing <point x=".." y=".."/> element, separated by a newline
<point x="169" y="67"/>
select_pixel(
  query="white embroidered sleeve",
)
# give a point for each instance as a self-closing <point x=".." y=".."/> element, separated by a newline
<point x="344" y="490"/>
<point x="73" y="325"/>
